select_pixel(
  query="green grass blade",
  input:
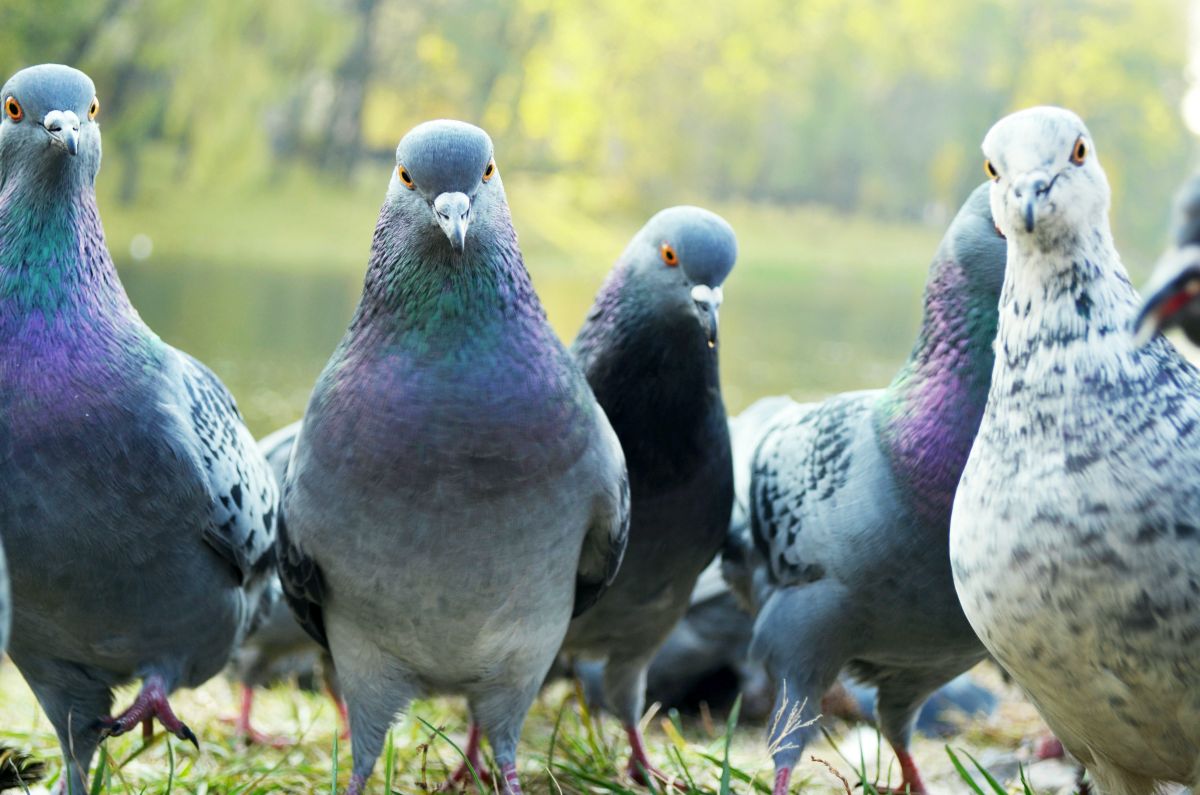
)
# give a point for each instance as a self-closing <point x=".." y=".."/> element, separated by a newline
<point x="730" y="725"/>
<point x="97" y="777"/>
<point x="470" y="767"/>
<point x="962" y="772"/>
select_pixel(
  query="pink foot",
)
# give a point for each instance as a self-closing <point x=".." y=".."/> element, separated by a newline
<point x="640" y="765"/>
<point x="1048" y="747"/>
<point x="343" y="717"/>
<point x="783" y="777"/>
<point x="512" y="785"/>
<point x="474" y="756"/>
<point x="247" y="733"/>
<point x="151" y="703"/>
<point x="910" y="779"/>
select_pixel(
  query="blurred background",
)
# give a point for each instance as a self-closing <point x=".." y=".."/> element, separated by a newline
<point x="247" y="147"/>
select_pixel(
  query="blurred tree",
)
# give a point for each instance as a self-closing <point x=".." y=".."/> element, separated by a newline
<point x="866" y="105"/>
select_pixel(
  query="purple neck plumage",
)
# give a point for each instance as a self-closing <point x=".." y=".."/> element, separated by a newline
<point x="66" y="324"/>
<point x="927" y="418"/>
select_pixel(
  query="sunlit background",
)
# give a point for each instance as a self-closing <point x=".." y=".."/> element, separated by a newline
<point x="248" y="144"/>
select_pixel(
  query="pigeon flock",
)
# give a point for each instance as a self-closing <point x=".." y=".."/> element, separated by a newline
<point x="467" y="501"/>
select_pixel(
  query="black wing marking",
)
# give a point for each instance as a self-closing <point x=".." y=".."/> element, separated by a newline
<point x="303" y="585"/>
<point x="244" y="494"/>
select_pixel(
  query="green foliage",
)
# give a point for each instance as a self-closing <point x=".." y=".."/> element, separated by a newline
<point x="868" y="105"/>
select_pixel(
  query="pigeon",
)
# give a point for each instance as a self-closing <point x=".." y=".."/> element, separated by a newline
<point x="137" y="514"/>
<point x="279" y="645"/>
<point x="1175" y="284"/>
<point x="850" y="510"/>
<point x="1074" y="539"/>
<point x="456" y="493"/>
<point x="649" y="350"/>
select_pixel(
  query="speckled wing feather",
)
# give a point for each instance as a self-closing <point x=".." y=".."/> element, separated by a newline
<point x="243" y="490"/>
<point x="799" y="470"/>
<point x="603" y="547"/>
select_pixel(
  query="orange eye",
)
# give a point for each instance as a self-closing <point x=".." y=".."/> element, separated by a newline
<point x="668" y="254"/>
<point x="13" y="109"/>
<point x="990" y="170"/>
<point x="490" y="171"/>
<point x="405" y="177"/>
<point x="1079" y="151"/>
<point x="94" y="108"/>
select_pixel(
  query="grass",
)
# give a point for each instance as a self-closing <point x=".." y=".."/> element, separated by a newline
<point x="566" y="750"/>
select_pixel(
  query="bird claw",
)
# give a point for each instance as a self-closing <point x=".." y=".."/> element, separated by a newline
<point x="185" y="733"/>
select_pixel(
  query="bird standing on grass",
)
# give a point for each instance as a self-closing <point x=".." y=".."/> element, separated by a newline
<point x="1074" y="537"/>
<point x="850" y="512"/>
<point x="137" y="513"/>
<point x="649" y="350"/>
<point x="455" y="493"/>
<point x="1173" y="294"/>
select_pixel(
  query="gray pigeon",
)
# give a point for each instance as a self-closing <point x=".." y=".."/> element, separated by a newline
<point x="649" y="350"/>
<point x="279" y="646"/>
<point x="850" y="512"/>
<point x="1171" y="295"/>
<point x="1074" y="540"/>
<point x="456" y="493"/>
<point x="137" y="514"/>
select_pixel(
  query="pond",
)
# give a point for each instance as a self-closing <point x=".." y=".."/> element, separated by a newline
<point x="267" y="333"/>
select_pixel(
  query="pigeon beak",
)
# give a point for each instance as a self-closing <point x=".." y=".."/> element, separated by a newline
<point x="1173" y="288"/>
<point x="453" y="211"/>
<point x="63" y="128"/>
<point x="708" y="302"/>
<point x="1031" y="191"/>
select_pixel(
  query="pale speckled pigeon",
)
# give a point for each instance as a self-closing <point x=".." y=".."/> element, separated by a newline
<point x="850" y="512"/>
<point x="279" y="645"/>
<point x="137" y="514"/>
<point x="1172" y="293"/>
<point x="1075" y="540"/>
<point x="456" y="492"/>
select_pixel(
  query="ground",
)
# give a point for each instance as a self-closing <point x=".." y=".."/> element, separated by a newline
<point x="562" y="752"/>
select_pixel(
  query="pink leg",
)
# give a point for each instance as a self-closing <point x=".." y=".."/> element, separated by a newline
<point x="783" y="777"/>
<point x="910" y="779"/>
<point x="512" y="785"/>
<point x="151" y="703"/>
<point x="343" y="715"/>
<point x="640" y="765"/>
<point x="246" y="731"/>
<point x="1048" y="747"/>
<point x="462" y="775"/>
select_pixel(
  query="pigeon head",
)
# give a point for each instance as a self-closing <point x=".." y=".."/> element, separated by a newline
<point x="975" y="242"/>
<point x="1172" y="293"/>
<point x="446" y="181"/>
<point x="1047" y="184"/>
<point x="679" y="260"/>
<point x="48" y="124"/>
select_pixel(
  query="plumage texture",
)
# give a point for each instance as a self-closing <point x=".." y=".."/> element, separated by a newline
<point x="1074" y="537"/>
<point x="648" y="348"/>
<point x="137" y="513"/>
<point x="455" y="484"/>
<point x="278" y="643"/>
<point x="1172" y="293"/>
<point x="850" y="502"/>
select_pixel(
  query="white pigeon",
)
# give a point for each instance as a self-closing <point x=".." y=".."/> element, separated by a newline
<point x="1074" y="538"/>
